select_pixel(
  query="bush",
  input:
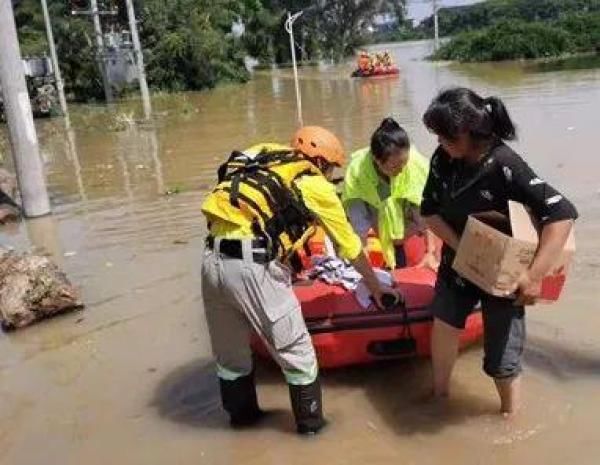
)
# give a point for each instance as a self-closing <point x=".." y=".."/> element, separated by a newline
<point x="584" y="29"/>
<point x="454" y="20"/>
<point x="516" y="40"/>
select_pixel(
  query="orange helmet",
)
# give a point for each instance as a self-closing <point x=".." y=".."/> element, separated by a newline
<point x="315" y="142"/>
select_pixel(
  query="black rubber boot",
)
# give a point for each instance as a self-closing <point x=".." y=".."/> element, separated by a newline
<point x="307" y="407"/>
<point x="239" y="400"/>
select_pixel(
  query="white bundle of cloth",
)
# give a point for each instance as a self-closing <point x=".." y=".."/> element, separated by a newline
<point x="335" y="271"/>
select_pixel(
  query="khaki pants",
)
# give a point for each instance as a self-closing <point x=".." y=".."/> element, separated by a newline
<point x="240" y="295"/>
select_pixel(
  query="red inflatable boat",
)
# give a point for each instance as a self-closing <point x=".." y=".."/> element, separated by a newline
<point x="377" y="72"/>
<point x="344" y="333"/>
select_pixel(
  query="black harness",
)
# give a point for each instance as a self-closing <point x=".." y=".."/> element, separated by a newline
<point x="289" y="213"/>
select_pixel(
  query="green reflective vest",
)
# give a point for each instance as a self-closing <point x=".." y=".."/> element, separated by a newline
<point x="361" y="183"/>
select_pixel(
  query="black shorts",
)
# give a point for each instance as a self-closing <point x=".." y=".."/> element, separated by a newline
<point x="503" y="322"/>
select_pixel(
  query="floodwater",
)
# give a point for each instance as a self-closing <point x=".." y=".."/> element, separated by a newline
<point x="129" y="380"/>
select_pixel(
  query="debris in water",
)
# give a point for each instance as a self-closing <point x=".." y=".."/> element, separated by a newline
<point x="9" y="209"/>
<point x="122" y="122"/>
<point x="173" y="191"/>
<point x="8" y="213"/>
<point x="70" y="253"/>
<point x="180" y="242"/>
<point x="32" y="288"/>
<point x="570" y="128"/>
<point x="518" y="435"/>
<point x="108" y="264"/>
<point x="8" y="183"/>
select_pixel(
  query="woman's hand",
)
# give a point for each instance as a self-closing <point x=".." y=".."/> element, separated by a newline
<point x="443" y="230"/>
<point x="376" y="288"/>
<point x="552" y="241"/>
<point x="529" y="289"/>
<point x="430" y="261"/>
<point x="378" y="296"/>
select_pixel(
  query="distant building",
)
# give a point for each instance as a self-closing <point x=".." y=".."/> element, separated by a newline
<point x="384" y="22"/>
<point x="120" y="60"/>
<point x="36" y="67"/>
<point x="39" y="77"/>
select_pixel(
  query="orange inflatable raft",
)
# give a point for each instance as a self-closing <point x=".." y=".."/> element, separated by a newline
<point x="344" y="333"/>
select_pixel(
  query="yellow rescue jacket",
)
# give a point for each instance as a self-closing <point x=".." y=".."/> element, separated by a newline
<point x="257" y="188"/>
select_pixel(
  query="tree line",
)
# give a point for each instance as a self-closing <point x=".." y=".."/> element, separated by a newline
<point x="190" y="44"/>
<point x="519" y="29"/>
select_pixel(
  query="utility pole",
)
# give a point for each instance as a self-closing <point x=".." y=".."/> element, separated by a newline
<point x="436" y="42"/>
<point x="101" y="55"/>
<point x="139" y="60"/>
<point x="17" y="108"/>
<point x="57" y="76"/>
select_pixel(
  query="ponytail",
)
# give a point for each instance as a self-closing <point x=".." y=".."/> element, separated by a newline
<point x="503" y="126"/>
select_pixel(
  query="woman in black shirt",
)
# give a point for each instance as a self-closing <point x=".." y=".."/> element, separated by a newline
<point x="473" y="171"/>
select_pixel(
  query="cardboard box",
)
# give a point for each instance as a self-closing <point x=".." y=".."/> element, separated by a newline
<point x="495" y="250"/>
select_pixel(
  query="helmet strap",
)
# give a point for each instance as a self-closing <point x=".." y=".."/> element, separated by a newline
<point x="323" y="165"/>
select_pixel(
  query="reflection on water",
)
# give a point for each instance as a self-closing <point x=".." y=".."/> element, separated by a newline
<point x="568" y="64"/>
<point x="122" y="380"/>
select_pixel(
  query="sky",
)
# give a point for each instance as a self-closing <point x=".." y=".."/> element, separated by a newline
<point x="419" y="9"/>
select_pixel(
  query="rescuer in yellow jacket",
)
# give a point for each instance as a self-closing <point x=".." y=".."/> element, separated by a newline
<point x="265" y="206"/>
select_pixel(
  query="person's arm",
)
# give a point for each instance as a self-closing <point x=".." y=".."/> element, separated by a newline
<point x="431" y="207"/>
<point x="555" y="213"/>
<point x="430" y="242"/>
<point x="430" y="259"/>
<point x="362" y="265"/>
<point x="360" y="218"/>
<point x="320" y="198"/>
<point x="552" y="240"/>
<point x="441" y="229"/>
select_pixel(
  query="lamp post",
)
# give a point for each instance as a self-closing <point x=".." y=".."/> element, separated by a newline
<point x="289" y="27"/>
<point x="436" y="40"/>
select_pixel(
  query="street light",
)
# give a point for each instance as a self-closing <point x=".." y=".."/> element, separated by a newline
<point x="289" y="24"/>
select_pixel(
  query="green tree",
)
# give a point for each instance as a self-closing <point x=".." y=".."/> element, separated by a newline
<point x="344" y="25"/>
<point x="189" y="45"/>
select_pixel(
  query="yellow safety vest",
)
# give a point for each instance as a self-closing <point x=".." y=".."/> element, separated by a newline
<point x="257" y="189"/>
<point x="361" y="182"/>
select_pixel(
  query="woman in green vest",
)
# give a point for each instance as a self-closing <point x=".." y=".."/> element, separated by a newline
<point x="383" y="187"/>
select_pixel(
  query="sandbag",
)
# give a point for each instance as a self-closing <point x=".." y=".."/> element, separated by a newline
<point x="32" y="288"/>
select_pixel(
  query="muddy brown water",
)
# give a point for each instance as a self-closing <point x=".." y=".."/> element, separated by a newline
<point x="130" y="381"/>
